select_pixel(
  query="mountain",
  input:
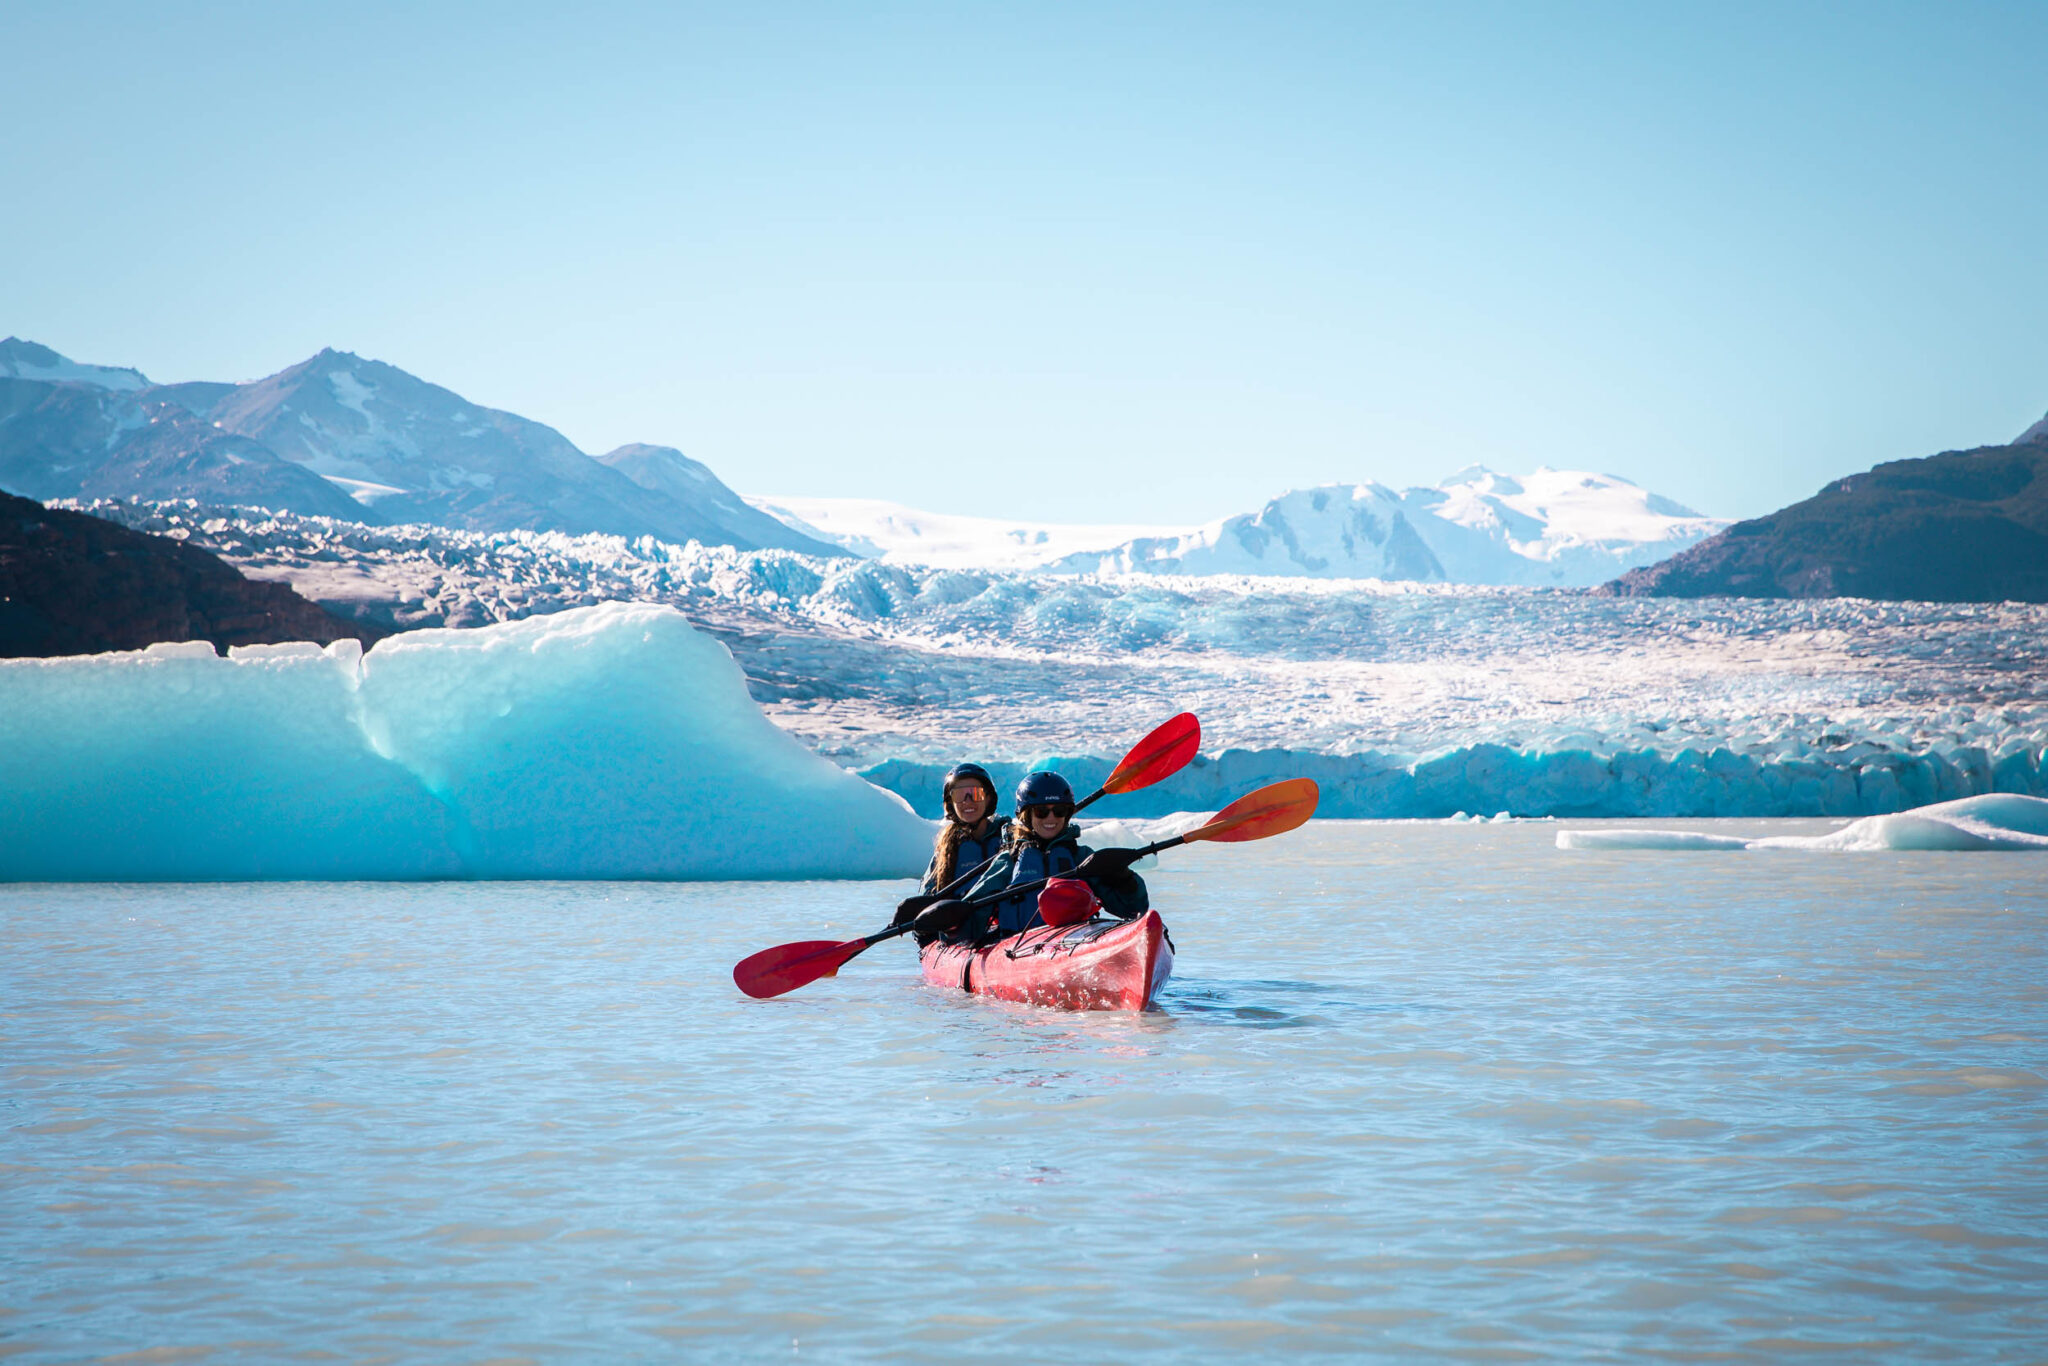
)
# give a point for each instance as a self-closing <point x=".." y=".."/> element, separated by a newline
<point x="73" y="584"/>
<point x="394" y="447"/>
<point x="1561" y="528"/>
<point x="176" y="455"/>
<point x="729" y="519"/>
<point x="28" y="360"/>
<point x="1962" y="526"/>
<point x="1554" y="527"/>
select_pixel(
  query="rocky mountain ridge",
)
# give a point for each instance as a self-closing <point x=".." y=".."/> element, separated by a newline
<point x="74" y="584"/>
<point x="338" y="435"/>
<point x="1962" y="526"/>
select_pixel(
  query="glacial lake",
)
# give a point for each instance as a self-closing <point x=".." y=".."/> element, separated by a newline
<point x="1416" y="1091"/>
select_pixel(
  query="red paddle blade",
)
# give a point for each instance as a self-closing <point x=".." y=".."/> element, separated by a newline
<point x="771" y="972"/>
<point x="1160" y="755"/>
<point x="1272" y="810"/>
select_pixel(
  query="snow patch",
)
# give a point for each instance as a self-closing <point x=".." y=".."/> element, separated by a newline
<point x="362" y="490"/>
<point x="30" y="360"/>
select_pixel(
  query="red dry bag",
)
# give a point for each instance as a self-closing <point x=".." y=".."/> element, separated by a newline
<point x="1067" y="901"/>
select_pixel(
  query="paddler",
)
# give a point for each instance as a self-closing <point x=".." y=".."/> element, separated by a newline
<point x="1043" y="842"/>
<point x="968" y="841"/>
<point x="973" y="832"/>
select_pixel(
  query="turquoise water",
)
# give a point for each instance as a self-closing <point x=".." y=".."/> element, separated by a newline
<point x="1416" y="1092"/>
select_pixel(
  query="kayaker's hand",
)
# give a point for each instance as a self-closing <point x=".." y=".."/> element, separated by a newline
<point x="907" y="909"/>
<point x="1109" y="863"/>
<point x="940" y="918"/>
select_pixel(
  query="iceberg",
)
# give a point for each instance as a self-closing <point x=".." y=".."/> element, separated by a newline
<point x="615" y="741"/>
<point x="2002" y="821"/>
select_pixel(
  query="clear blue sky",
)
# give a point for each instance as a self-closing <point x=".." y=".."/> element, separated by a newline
<point x="1088" y="263"/>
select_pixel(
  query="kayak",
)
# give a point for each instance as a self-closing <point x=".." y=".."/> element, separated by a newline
<point x="1096" y="965"/>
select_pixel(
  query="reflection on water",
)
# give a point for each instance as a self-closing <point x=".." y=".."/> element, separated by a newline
<point x="1502" y="1102"/>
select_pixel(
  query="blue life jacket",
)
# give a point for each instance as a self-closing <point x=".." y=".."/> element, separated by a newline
<point x="1029" y="860"/>
<point x="974" y="851"/>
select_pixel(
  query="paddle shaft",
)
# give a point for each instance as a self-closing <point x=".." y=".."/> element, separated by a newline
<point x="1026" y="888"/>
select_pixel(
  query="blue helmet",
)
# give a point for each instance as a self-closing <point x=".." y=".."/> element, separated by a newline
<point x="1044" y="789"/>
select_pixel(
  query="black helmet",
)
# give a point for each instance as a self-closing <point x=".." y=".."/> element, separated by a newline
<point x="966" y="773"/>
<point x="1044" y="789"/>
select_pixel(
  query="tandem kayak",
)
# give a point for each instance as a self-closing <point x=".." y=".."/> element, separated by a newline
<point x="1096" y="965"/>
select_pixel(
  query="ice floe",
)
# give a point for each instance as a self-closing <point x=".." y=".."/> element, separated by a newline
<point x="1996" y="821"/>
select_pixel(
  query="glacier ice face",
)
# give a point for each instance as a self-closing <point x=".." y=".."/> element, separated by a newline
<point x="1995" y="822"/>
<point x="613" y="742"/>
<point x="1402" y="700"/>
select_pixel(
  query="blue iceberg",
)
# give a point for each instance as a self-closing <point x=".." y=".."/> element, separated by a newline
<point x="615" y="741"/>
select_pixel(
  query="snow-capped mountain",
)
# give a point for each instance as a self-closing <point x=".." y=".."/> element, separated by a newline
<point x="895" y="534"/>
<point x="1563" y="528"/>
<point x="394" y="447"/>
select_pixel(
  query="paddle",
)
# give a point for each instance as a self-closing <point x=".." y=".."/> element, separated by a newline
<point x="1272" y="810"/>
<point x="1158" y="756"/>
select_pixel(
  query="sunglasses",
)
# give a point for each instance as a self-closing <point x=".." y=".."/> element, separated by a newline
<point x="1036" y="813"/>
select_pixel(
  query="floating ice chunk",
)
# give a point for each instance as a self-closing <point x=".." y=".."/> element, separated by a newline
<point x="1995" y="821"/>
<point x="1647" y="839"/>
<point x="613" y="742"/>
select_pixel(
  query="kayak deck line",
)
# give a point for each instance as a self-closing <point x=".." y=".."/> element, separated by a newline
<point x="1096" y="965"/>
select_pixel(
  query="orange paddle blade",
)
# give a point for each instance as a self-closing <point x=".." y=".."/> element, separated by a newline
<point x="1160" y="755"/>
<point x="771" y="972"/>
<point x="1272" y="810"/>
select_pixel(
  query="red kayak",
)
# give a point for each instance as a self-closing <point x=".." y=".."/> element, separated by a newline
<point x="1096" y="965"/>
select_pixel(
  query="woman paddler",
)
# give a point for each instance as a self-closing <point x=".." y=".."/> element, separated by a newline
<point x="968" y="841"/>
<point x="1043" y="842"/>
<point x="973" y="832"/>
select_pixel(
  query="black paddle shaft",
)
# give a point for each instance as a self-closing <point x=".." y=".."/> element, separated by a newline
<point x="1025" y="888"/>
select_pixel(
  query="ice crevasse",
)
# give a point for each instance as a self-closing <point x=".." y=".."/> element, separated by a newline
<point x="609" y="742"/>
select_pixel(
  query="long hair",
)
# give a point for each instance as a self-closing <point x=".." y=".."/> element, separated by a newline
<point x="946" y="849"/>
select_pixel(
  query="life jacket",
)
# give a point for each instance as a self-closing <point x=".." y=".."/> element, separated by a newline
<point x="974" y="851"/>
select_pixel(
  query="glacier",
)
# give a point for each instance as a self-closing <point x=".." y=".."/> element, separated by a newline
<point x="615" y="741"/>
<point x="2000" y="822"/>
<point x="1401" y="699"/>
